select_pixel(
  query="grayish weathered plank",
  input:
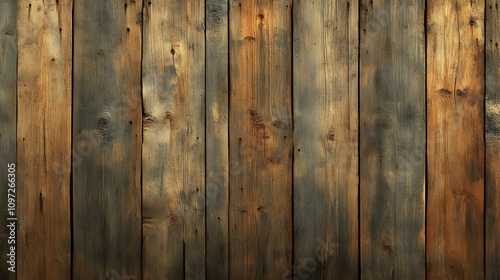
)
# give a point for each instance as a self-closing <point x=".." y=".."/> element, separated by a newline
<point x="217" y="145"/>
<point x="107" y="130"/>
<point x="392" y="143"/>
<point x="325" y="61"/>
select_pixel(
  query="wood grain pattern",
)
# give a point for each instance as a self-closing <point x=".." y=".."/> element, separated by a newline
<point x="174" y="140"/>
<point x="260" y="210"/>
<point x="455" y="149"/>
<point x="217" y="139"/>
<point x="492" y="128"/>
<point x="107" y="134"/>
<point x="8" y="106"/>
<point x="44" y="138"/>
<point x="325" y="83"/>
<point x="392" y="139"/>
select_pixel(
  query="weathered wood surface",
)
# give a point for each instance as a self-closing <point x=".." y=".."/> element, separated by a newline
<point x="228" y="139"/>
<point x="455" y="140"/>
<point x="217" y="139"/>
<point x="107" y="130"/>
<point x="325" y="84"/>
<point x="492" y="128"/>
<point x="174" y="140"/>
<point x="44" y="138"/>
<point x="392" y="139"/>
<point x="8" y="76"/>
<point x="260" y="210"/>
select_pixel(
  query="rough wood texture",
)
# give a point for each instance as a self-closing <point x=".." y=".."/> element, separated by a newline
<point x="325" y="83"/>
<point x="8" y="70"/>
<point x="392" y="139"/>
<point x="455" y="95"/>
<point x="260" y="210"/>
<point x="492" y="127"/>
<point x="174" y="140"/>
<point x="217" y="145"/>
<point x="107" y="140"/>
<point x="44" y="139"/>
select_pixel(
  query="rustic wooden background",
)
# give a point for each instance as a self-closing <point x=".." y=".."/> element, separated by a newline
<point x="278" y="139"/>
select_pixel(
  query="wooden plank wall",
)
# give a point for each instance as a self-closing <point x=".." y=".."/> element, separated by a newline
<point x="231" y="139"/>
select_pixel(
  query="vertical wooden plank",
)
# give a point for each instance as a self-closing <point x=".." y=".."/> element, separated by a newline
<point x="492" y="127"/>
<point x="107" y="131"/>
<point x="260" y="207"/>
<point x="8" y="106"/>
<point x="217" y="139"/>
<point x="44" y="138"/>
<point x="392" y="139"/>
<point x="455" y="114"/>
<point x="325" y="63"/>
<point x="174" y="140"/>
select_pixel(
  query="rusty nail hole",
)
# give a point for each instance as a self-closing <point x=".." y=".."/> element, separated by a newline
<point x="60" y="29"/>
<point x="299" y="150"/>
<point x="172" y="51"/>
<point x="53" y="59"/>
<point x="331" y="136"/>
<point x="125" y="5"/>
<point x="168" y="115"/>
<point x="130" y="122"/>
<point x="30" y="5"/>
<point x="128" y="29"/>
<point x="149" y="3"/>
<point x="100" y="52"/>
<point x="261" y="16"/>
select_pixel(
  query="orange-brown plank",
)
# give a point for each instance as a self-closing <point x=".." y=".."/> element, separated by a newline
<point x="492" y="127"/>
<point x="8" y="71"/>
<point x="455" y="139"/>
<point x="325" y="67"/>
<point x="260" y="125"/>
<point x="107" y="133"/>
<point x="44" y="138"/>
<point x="392" y="139"/>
